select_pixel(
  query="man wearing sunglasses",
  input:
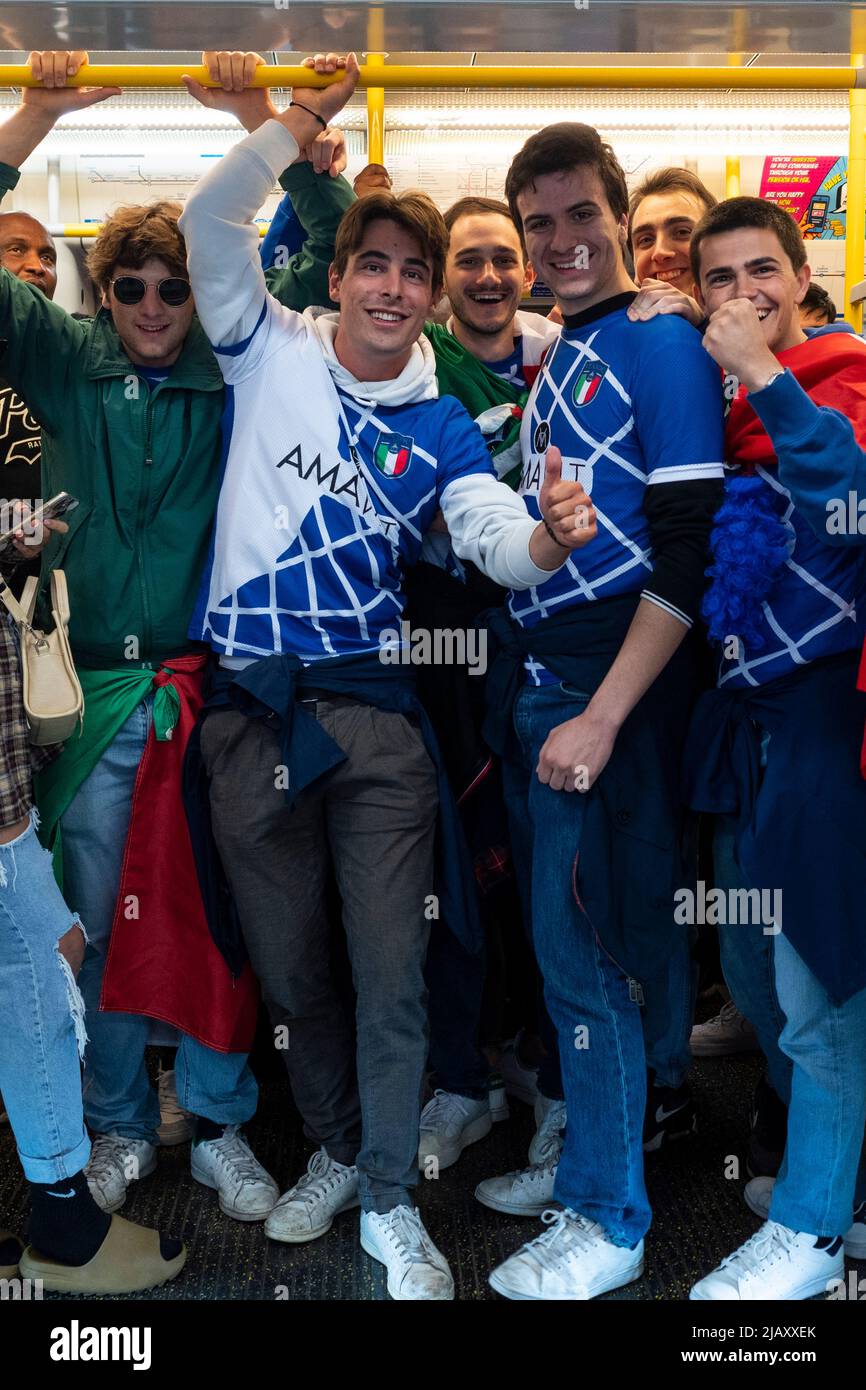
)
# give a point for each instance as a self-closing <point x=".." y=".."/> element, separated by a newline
<point x="130" y="404"/>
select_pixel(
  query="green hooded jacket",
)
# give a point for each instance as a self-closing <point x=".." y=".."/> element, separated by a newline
<point x="144" y="462"/>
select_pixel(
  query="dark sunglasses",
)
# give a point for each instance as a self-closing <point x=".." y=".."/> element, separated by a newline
<point x="129" y="289"/>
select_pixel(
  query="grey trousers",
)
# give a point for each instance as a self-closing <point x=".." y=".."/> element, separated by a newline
<point x="374" y="819"/>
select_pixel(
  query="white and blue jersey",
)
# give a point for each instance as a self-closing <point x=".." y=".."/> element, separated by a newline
<point x="817" y="606"/>
<point x="328" y="483"/>
<point x="320" y="511"/>
<point x="636" y="410"/>
<point x="815" y="609"/>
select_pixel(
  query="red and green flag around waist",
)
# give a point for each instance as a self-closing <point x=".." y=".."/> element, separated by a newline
<point x="162" y="960"/>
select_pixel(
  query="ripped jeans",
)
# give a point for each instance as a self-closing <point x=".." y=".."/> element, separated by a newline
<point x="42" y="1014"/>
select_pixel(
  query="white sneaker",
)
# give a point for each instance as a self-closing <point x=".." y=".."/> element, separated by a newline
<point x="777" y="1263"/>
<point x="572" y="1259"/>
<point x="528" y="1192"/>
<point x="448" y="1124"/>
<point x="520" y="1081"/>
<point x="115" y="1161"/>
<point x="759" y="1194"/>
<point x="549" y="1135"/>
<point x="246" y="1191"/>
<point x="730" y="1031"/>
<point x="308" y="1209"/>
<point x="416" y="1269"/>
<point x="175" y="1124"/>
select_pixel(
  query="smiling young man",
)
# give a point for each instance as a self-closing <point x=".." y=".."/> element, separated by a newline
<point x="779" y="739"/>
<point x="590" y="692"/>
<point x="486" y="276"/>
<point x="663" y="212"/>
<point x="338" y="456"/>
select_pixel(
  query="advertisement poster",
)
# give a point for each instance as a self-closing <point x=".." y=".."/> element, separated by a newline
<point x="813" y="189"/>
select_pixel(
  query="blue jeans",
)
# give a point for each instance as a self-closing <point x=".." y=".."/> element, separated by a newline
<point x="43" y="1027"/>
<point x="601" y="1044"/>
<point x="747" y="961"/>
<point x="118" y="1096"/>
<point x="823" y="1173"/>
<point x="668" y="1015"/>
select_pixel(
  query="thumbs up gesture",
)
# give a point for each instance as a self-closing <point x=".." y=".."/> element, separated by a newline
<point x="566" y="508"/>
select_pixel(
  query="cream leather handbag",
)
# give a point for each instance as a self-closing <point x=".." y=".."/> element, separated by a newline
<point x="53" y="701"/>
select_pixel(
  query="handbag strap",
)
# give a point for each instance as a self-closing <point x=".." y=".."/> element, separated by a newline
<point x="60" y="598"/>
<point x="22" y="612"/>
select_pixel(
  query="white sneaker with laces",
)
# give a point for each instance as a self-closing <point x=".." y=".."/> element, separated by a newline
<point x="572" y="1259"/>
<point x="528" y="1192"/>
<point x="308" y="1209"/>
<point x="416" y="1269"/>
<point x="520" y="1081"/>
<point x="229" y="1166"/>
<point x="115" y="1161"/>
<point x="729" y="1032"/>
<point x="776" y="1263"/>
<point x="175" y="1125"/>
<point x="449" y="1123"/>
<point x="759" y="1194"/>
<point x="549" y="1134"/>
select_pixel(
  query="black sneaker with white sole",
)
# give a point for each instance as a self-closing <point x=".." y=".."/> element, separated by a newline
<point x="670" y="1114"/>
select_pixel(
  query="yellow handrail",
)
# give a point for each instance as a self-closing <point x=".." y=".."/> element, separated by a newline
<point x="92" y="229"/>
<point x="460" y="75"/>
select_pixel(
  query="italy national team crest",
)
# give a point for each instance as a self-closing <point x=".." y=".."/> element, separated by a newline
<point x="588" y="382"/>
<point x="393" y="454"/>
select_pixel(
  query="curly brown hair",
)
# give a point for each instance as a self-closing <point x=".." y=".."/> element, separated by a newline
<point x="132" y="234"/>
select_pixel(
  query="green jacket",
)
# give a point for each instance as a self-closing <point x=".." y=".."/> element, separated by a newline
<point x="144" y="463"/>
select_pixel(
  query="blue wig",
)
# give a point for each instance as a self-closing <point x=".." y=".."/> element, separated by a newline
<point x="749" y="545"/>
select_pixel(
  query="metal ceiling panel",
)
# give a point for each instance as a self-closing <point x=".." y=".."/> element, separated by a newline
<point x="768" y="27"/>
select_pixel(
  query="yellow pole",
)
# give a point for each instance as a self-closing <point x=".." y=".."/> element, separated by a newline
<point x="855" y="221"/>
<point x="460" y="75"/>
<point x="375" y="95"/>
<point x="732" y="163"/>
<point x="375" y="115"/>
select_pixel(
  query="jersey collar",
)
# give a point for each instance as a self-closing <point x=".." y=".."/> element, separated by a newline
<point x="598" y="311"/>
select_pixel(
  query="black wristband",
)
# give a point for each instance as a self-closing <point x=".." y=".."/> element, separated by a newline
<point x="315" y="115"/>
<point x="553" y="537"/>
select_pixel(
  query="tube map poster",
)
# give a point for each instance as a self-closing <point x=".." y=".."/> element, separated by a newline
<point x="813" y="189"/>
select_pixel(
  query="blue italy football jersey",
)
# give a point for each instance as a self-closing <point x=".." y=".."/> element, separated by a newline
<point x="631" y="406"/>
<point x="325" y="500"/>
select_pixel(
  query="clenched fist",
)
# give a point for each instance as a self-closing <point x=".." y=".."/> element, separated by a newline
<point x="735" y="340"/>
